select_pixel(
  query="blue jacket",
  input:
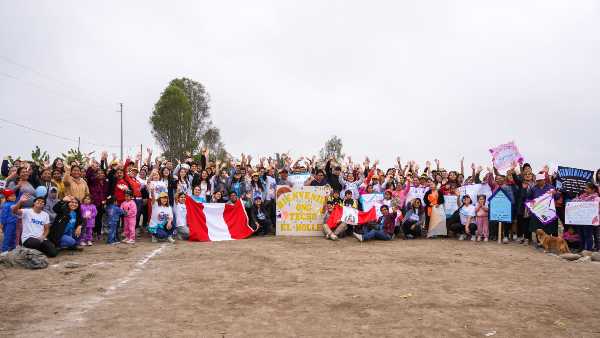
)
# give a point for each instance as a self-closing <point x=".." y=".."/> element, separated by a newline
<point x="113" y="214"/>
<point x="6" y="215"/>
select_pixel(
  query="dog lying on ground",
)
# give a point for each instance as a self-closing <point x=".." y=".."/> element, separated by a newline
<point x="552" y="243"/>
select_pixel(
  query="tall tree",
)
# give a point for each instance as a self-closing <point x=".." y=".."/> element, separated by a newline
<point x="333" y="147"/>
<point x="178" y="133"/>
<point x="172" y="124"/>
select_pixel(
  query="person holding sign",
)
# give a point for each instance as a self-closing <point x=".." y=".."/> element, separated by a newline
<point x="481" y="219"/>
<point x="540" y="188"/>
<point x="587" y="232"/>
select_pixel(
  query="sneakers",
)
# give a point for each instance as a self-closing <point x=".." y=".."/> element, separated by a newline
<point x="485" y="239"/>
<point x="89" y="243"/>
<point x="479" y="238"/>
<point x="170" y="239"/>
<point x="131" y="241"/>
<point x="505" y="240"/>
<point x="154" y="240"/>
<point x="359" y="237"/>
<point x="461" y="237"/>
<point x="473" y="238"/>
<point x="333" y="237"/>
<point x="515" y="237"/>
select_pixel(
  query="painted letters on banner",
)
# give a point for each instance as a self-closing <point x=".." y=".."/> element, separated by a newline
<point x="573" y="180"/>
<point x="543" y="207"/>
<point x="582" y="213"/>
<point x="504" y="155"/>
<point x="500" y="207"/>
<point x="300" y="211"/>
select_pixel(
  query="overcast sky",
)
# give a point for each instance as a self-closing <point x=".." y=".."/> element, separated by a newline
<point x="419" y="79"/>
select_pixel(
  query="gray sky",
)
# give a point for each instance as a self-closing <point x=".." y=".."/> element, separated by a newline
<point x="419" y="79"/>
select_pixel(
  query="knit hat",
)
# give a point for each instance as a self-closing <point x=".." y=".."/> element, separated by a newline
<point x="8" y="192"/>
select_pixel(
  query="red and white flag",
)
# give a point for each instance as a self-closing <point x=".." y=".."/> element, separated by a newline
<point x="350" y="216"/>
<point x="216" y="221"/>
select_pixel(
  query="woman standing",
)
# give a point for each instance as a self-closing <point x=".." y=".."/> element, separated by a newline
<point x="436" y="216"/>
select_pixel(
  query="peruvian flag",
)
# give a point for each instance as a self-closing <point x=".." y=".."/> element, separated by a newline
<point x="216" y="221"/>
<point x="350" y="216"/>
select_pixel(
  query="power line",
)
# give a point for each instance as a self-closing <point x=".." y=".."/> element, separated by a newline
<point x="37" y="72"/>
<point x="58" y="136"/>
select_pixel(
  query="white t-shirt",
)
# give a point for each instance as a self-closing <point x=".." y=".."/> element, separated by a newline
<point x="33" y="223"/>
<point x="180" y="212"/>
<point x="465" y="212"/>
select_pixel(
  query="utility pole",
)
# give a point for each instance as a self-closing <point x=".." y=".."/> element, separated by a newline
<point x="121" y="110"/>
<point x="78" y="142"/>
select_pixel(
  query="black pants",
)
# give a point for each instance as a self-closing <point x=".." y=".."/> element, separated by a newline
<point x="406" y="228"/>
<point x="265" y="227"/>
<point x="46" y="247"/>
<point x="494" y="227"/>
<point x="459" y="229"/>
<point x="523" y="227"/>
<point x="142" y="214"/>
<point x="98" y="221"/>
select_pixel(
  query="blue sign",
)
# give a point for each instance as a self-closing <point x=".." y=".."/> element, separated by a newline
<point x="500" y="207"/>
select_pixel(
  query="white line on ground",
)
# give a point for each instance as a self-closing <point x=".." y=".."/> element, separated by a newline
<point x="77" y="314"/>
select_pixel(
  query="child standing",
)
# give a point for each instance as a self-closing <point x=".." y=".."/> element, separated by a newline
<point x="8" y="221"/>
<point x="481" y="218"/>
<point x="113" y="216"/>
<point x="88" y="212"/>
<point x="129" y="218"/>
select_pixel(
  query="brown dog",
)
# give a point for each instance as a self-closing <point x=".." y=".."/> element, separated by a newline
<point x="551" y="242"/>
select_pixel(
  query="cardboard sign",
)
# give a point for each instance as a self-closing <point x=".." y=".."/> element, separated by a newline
<point x="504" y="155"/>
<point x="416" y="192"/>
<point x="543" y="207"/>
<point x="300" y="211"/>
<point x="573" y="180"/>
<point x="500" y="207"/>
<point x="582" y="213"/>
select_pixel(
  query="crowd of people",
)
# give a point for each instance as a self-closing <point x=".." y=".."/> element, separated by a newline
<point x="66" y="206"/>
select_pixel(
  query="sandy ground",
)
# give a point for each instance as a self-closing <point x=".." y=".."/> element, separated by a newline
<point x="303" y="287"/>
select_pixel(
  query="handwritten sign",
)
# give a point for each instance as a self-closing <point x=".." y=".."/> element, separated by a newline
<point x="504" y="155"/>
<point x="298" y="179"/>
<point x="372" y="200"/>
<point x="573" y="180"/>
<point x="500" y="207"/>
<point x="474" y="190"/>
<point x="543" y="207"/>
<point x="416" y="192"/>
<point x="300" y="211"/>
<point x="450" y="204"/>
<point x="582" y="213"/>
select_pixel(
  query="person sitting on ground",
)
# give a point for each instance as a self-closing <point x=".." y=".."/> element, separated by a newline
<point x="414" y="220"/>
<point x="573" y="240"/>
<point x="339" y="230"/>
<point x="259" y="220"/>
<point x="161" y="222"/>
<point x="384" y="228"/>
<point x="36" y="225"/>
<point x="66" y="228"/>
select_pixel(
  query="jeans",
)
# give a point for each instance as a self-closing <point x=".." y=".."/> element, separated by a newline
<point x="376" y="234"/>
<point x="588" y="237"/>
<point x="183" y="231"/>
<point x="164" y="233"/>
<point x="112" y="234"/>
<point x="67" y="241"/>
<point x="45" y="246"/>
<point x="265" y="227"/>
<point x="98" y="225"/>
<point x="139" y="207"/>
<point x="10" y="236"/>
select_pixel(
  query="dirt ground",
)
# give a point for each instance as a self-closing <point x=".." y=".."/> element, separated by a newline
<point x="279" y="287"/>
